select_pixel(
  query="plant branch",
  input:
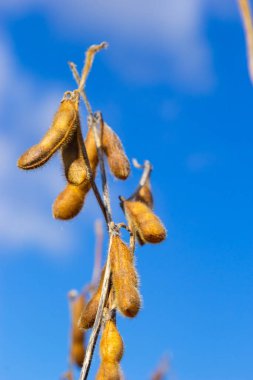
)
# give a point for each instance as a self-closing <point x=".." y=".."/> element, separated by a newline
<point x="93" y="121"/>
<point x="76" y="76"/>
<point x="92" y="180"/>
<point x="162" y="369"/>
<point x="89" y="58"/>
<point x="146" y="172"/>
<point x="99" y="316"/>
<point x="246" y="16"/>
<point x="145" y="175"/>
<point x="98" y="253"/>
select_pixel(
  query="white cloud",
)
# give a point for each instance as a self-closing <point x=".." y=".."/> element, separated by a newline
<point x="151" y="42"/>
<point x="25" y="217"/>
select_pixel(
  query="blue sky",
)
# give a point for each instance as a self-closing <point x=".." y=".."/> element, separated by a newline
<point x="174" y="85"/>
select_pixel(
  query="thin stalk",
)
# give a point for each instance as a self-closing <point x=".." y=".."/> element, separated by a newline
<point x="98" y="253"/>
<point x="89" y="58"/>
<point x="92" y="180"/>
<point x="145" y="175"/>
<point x="93" y="120"/>
<point x="99" y="317"/>
<point x="246" y="16"/>
<point x="74" y="71"/>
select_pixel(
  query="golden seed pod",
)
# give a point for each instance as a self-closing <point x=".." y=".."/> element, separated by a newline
<point x="75" y="169"/>
<point x="91" y="148"/>
<point x="124" y="278"/>
<point x="88" y="315"/>
<point x="77" y="307"/>
<point x="77" y="353"/>
<point x="141" y="218"/>
<point x="109" y="371"/>
<point x="70" y="201"/>
<point x="117" y="159"/>
<point x="111" y="344"/>
<point x="62" y="128"/>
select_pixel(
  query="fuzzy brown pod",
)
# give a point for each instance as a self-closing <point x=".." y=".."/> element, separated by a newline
<point x="61" y="130"/>
<point x="88" y="315"/>
<point x="77" y="307"/>
<point x="109" y="371"/>
<point x="147" y="225"/>
<point x="70" y="201"/>
<point x="77" y="353"/>
<point x="124" y="278"/>
<point x="91" y="148"/>
<point x="75" y="169"/>
<point x="113" y="148"/>
<point x="111" y="344"/>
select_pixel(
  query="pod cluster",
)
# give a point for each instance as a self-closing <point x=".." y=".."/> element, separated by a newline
<point x="65" y="135"/>
<point x="80" y="158"/>
<point x="125" y="285"/>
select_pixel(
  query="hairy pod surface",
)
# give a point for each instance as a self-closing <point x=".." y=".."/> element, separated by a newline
<point x="75" y="169"/>
<point x="91" y="148"/>
<point x="77" y="353"/>
<point x="113" y="148"/>
<point x="111" y="344"/>
<point x="63" y="126"/>
<point x="109" y="371"/>
<point x="70" y="201"/>
<point x="124" y="278"/>
<point x="77" y="307"/>
<point x="142" y="219"/>
<point x="88" y="315"/>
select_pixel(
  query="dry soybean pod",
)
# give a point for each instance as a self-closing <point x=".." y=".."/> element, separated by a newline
<point x="142" y="219"/>
<point x="109" y="371"/>
<point x="62" y="128"/>
<point x="124" y="278"/>
<point x="77" y="347"/>
<point x="111" y="352"/>
<point x="75" y="169"/>
<point x="70" y="201"/>
<point x="88" y="315"/>
<point x="113" y="148"/>
<point x="91" y="148"/>
<point x="111" y="344"/>
<point x="77" y="307"/>
<point x="77" y="353"/>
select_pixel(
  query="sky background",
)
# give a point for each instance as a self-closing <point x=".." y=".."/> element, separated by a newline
<point x="174" y="85"/>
